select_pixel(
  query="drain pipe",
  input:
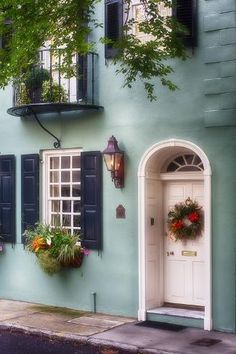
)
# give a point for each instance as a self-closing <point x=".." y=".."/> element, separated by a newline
<point x="94" y="294"/>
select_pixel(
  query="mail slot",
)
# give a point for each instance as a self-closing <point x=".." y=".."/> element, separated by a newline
<point x="189" y="253"/>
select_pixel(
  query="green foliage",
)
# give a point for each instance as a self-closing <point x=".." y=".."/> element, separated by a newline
<point x="52" y="92"/>
<point x="49" y="264"/>
<point x="34" y="22"/>
<point x="147" y="60"/>
<point x="35" y="77"/>
<point x="54" y="247"/>
<point x="67" y="24"/>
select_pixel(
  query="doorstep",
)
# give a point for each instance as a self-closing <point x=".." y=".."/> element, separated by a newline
<point x="180" y="316"/>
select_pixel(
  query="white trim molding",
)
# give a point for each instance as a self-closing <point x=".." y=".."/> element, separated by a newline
<point x="159" y="153"/>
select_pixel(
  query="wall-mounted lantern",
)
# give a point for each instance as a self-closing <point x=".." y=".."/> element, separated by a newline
<point x="114" y="160"/>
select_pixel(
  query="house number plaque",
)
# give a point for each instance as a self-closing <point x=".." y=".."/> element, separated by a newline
<point x="189" y="253"/>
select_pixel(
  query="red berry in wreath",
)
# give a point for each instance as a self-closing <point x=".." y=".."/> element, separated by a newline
<point x="193" y="217"/>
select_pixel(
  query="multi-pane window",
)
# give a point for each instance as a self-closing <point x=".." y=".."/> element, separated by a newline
<point x="139" y="15"/>
<point x="185" y="163"/>
<point x="63" y="189"/>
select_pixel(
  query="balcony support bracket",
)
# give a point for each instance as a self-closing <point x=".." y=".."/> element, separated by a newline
<point x="57" y="143"/>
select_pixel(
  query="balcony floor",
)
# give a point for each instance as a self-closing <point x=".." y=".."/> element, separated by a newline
<point x="41" y="108"/>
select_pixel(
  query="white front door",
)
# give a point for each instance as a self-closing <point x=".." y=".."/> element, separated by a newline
<point x="184" y="267"/>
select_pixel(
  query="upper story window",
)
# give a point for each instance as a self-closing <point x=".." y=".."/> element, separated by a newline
<point x="185" y="163"/>
<point x="62" y="189"/>
<point x="138" y="13"/>
<point x="115" y="14"/>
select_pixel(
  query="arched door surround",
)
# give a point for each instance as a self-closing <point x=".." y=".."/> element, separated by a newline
<point x="152" y="171"/>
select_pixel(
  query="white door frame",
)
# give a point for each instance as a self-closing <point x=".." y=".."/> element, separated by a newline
<point x="155" y="150"/>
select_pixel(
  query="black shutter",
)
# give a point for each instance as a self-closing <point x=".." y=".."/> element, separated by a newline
<point x="113" y="24"/>
<point x="7" y="198"/>
<point x="186" y="14"/>
<point x="6" y="37"/>
<point x="91" y="199"/>
<point x="82" y="78"/>
<point x="29" y="190"/>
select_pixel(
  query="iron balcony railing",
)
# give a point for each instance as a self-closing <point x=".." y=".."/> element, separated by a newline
<point x="47" y="82"/>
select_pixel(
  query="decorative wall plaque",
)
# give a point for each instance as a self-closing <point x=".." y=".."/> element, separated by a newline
<point x="120" y="212"/>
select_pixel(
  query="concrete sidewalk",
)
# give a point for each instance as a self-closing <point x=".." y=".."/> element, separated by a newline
<point x="105" y="334"/>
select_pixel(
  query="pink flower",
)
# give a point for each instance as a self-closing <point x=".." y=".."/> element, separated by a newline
<point x="85" y="251"/>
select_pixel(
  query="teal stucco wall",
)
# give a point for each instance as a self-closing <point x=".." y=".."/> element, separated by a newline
<point x="201" y="111"/>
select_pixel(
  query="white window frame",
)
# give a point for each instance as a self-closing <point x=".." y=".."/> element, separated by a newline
<point x="46" y="154"/>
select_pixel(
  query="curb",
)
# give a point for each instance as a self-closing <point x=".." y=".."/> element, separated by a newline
<point x="87" y="345"/>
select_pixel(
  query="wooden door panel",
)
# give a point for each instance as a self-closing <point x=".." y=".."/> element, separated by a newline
<point x="183" y="270"/>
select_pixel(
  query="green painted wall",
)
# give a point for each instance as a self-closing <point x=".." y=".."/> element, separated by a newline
<point x="201" y="111"/>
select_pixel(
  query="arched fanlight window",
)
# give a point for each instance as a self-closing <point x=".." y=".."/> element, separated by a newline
<point x="185" y="163"/>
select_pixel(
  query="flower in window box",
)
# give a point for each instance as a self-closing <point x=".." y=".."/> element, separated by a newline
<point x="55" y="248"/>
<point x="1" y="247"/>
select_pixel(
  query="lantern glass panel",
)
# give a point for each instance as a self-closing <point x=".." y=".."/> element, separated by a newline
<point x="108" y="161"/>
<point x="118" y="158"/>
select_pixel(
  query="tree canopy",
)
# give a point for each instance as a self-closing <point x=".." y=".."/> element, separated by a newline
<point x="25" y="25"/>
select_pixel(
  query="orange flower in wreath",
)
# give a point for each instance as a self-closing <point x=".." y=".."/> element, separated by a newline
<point x="178" y="225"/>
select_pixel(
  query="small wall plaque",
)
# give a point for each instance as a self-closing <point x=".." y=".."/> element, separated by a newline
<point x="120" y="212"/>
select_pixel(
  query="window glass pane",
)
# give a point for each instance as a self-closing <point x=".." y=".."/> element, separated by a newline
<point x="55" y="220"/>
<point x="54" y="191"/>
<point x="54" y="162"/>
<point x="66" y="220"/>
<point x="65" y="176"/>
<point x="65" y="162"/>
<point x="76" y="190"/>
<point x="66" y="206"/>
<point x="76" y="220"/>
<point x="201" y="166"/>
<point x="189" y="159"/>
<point x="180" y="160"/>
<point x="75" y="176"/>
<point x="76" y="161"/>
<point x="54" y="177"/>
<point x="65" y="191"/>
<point x="197" y="160"/>
<point x="56" y="206"/>
<point x="172" y="167"/>
<point x="76" y="206"/>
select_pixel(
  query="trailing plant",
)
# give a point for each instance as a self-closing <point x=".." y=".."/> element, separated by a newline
<point x="67" y="24"/>
<point x="185" y="220"/>
<point x="54" y="247"/>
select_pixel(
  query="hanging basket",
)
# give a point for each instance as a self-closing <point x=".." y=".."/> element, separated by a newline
<point x="76" y="262"/>
<point x="185" y="221"/>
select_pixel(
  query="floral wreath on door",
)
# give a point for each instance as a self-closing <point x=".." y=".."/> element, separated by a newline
<point x="185" y="221"/>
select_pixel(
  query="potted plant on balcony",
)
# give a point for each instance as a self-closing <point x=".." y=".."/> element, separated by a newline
<point x="55" y="248"/>
<point x="34" y="83"/>
<point x="37" y="87"/>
